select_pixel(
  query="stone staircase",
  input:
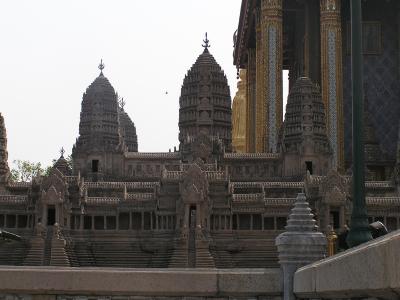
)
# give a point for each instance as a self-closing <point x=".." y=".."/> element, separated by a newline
<point x="121" y="253"/>
<point x="180" y="258"/>
<point x="204" y="258"/>
<point x="47" y="246"/>
<point x="47" y="251"/>
<point x="13" y="252"/>
<point x="58" y="253"/>
<point x="35" y="255"/>
<point x="192" y="248"/>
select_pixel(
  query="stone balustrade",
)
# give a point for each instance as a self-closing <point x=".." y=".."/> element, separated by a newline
<point x="216" y="175"/>
<point x="12" y="199"/>
<point x="369" y="270"/>
<point x="283" y="185"/>
<point x="153" y="155"/>
<point x="173" y="175"/>
<point x="247" y="197"/>
<point x="252" y="156"/>
<point x="280" y="201"/>
<point x="129" y="185"/>
<point x="140" y="196"/>
<point x="51" y="283"/>
<point x="103" y="200"/>
<point x="19" y="184"/>
<point x="384" y="201"/>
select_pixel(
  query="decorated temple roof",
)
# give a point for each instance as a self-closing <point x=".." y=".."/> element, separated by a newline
<point x="205" y="102"/>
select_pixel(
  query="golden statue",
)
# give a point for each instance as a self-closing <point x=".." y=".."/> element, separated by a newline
<point x="239" y="115"/>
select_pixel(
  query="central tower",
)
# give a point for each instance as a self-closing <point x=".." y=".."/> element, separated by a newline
<point x="205" y="101"/>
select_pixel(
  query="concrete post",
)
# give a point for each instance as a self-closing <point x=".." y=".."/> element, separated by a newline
<point x="300" y="244"/>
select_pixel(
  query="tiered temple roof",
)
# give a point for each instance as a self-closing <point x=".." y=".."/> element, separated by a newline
<point x="205" y="102"/>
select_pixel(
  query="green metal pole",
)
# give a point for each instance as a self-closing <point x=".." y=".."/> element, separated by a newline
<point x="359" y="227"/>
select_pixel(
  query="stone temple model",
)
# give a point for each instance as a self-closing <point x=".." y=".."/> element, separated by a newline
<point x="202" y="205"/>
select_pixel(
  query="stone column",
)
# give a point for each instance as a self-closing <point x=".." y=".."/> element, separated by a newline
<point x="398" y="34"/>
<point x="260" y="88"/>
<point x="300" y="244"/>
<point x="271" y="41"/>
<point x="342" y="217"/>
<point x="198" y="216"/>
<point x="186" y="217"/>
<point x="251" y="101"/>
<point x="332" y="77"/>
<point x="81" y="222"/>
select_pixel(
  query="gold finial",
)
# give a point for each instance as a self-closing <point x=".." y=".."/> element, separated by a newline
<point x="101" y="67"/>
<point x="62" y="151"/>
<point x="206" y="44"/>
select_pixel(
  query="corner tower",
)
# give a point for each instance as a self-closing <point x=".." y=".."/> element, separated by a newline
<point x="127" y="129"/>
<point x="4" y="169"/>
<point x="205" y="101"/>
<point x="305" y="144"/>
<point x="99" y="146"/>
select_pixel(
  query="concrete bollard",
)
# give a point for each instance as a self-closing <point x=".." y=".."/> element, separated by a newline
<point x="300" y="244"/>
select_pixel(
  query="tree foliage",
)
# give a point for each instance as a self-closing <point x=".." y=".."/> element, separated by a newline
<point x="25" y="170"/>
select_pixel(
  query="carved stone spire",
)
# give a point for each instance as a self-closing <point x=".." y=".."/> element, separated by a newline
<point x="300" y="244"/>
<point x="127" y="128"/>
<point x="4" y="169"/>
<point x="99" y="122"/>
<point x="305" y="140"/>
<point x="205" y="101"/>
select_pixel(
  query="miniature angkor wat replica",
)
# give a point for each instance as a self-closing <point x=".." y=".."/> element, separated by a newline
<point x="202" y="205"/>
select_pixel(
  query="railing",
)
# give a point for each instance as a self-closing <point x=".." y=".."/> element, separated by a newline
<point x="130" y="185"/>
<point x="20" y="184"/>
<point x="283" y="184"/>
<point x="175" y="175"/>
<point x="252" y="156"/>
<point x="140" y="196"/>
<point x="247" y="197"/>
<point x="384" y="201"/>
<point x="280" y="201"/>
<point x="206" y="167"/>
<point x="217" y="175"/>
<point x="153" y="155"/>
<point x="103" y="200"/>
<point x="12" y="199"/>
<point x="378" y="184"/>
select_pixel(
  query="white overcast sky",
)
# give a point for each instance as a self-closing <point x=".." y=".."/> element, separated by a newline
<point x="50" y="50"/>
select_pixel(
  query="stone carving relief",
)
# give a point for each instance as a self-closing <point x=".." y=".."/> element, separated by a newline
<point x="202" y="147"/>
<point x="334" y="189"/>
<point x="194" y="188"/>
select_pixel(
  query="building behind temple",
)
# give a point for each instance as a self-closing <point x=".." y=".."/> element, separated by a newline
<point x="199" y="206"/>
<point x="312" y="38"/>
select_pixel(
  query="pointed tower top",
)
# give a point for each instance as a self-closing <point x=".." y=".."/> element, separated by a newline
<point x="122" y="103"/>
<point x="206" y="44"/>
<point x="62" y="151"/>
<point x="101" y="67"/>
